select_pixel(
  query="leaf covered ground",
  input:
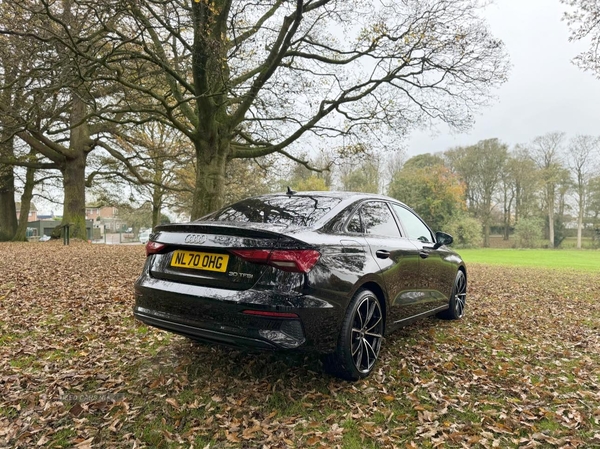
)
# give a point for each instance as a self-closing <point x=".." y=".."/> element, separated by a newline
<point x="522" y="369"/>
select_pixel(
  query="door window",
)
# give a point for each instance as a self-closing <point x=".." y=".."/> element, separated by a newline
<point x="413" y="226"/>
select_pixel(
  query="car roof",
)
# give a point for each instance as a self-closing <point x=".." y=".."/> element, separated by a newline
<point x="346" y="197"/>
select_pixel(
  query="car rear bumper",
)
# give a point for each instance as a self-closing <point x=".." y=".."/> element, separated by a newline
<point x="217" y="316"/>
<point x="201" y="334"/>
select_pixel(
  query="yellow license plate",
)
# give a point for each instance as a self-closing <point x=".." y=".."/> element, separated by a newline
<point x="200" y="261"/>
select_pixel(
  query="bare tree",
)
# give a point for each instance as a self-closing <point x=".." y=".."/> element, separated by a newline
<point x="583" y="151"/>
<point x="393" y="164"/>
<point x="12" y="62"/>
<point x="481" y="167"/>
<point x="244" y="80"/>
<point x="30" y="177"/>
<point x="53" y="115"/>
<point x="507" y="196"/>
<point x="593" y="205"/>
<point x="150" y="160"/>
<point x="546" y="152"/>
<point x="584" y="20"/>
<point x="526" y="177"/>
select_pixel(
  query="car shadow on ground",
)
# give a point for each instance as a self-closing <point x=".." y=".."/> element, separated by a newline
<point x="204" y="361"/>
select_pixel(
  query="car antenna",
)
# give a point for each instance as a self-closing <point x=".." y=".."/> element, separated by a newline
<point x="290" y="191"/>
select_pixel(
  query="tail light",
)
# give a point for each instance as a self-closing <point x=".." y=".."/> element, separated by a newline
<point x="154" y="248"/>
<point x="293" y="260"/>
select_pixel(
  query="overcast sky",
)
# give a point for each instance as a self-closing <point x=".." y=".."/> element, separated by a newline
<point x="545" y="92"/>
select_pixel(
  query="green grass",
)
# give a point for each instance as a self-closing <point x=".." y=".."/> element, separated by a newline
<point x="542" y="258"/>
<point x="62" y="438"/>
<point x="23" y="362"/>
<point x="8" y="337"/>
<point x="9" y="412"/>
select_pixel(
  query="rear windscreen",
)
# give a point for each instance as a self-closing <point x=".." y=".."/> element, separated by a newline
<point x="283" y="210"/>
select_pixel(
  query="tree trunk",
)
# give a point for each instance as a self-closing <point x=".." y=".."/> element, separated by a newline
<point x="507" y="209"/>
<point x="551" y="217"/>
<point x="581" y="205"/>
<point x="210" y="181"/>
<point x="21" y="234"/>
<point x="517" y="202"/>
<point x="579" y="229"/>
<point x="73" y="170"/>
<point x="486" y="218"/>
<point x="8" y="208"/>
<point x="157" y="192"/>
<point x="74" y="188"/>
<point x="486" y="235"/>
<point x="156" y="206"/>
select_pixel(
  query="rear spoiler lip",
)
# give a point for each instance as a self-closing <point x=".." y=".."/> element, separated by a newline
<point x="239" y="229"/>
<point x="217" y="234"/>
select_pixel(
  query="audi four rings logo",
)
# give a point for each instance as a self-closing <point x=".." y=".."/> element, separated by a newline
<point x="195" y="238"/>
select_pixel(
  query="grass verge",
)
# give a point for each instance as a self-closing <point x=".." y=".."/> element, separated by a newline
<point x="562" y="259"/>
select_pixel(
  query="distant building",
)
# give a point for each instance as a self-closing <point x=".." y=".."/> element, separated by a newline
<point x="45" y="227"/>
<point x="33" y="215"/>
<point x="93" y="212"/>
<point x="104" y="215"/>
<point x="50" y="216"/>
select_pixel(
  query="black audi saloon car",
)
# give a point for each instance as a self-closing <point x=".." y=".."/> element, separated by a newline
<point x="332" y="272"/>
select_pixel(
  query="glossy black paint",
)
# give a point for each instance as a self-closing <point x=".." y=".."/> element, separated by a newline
<point x="411" y="278"/>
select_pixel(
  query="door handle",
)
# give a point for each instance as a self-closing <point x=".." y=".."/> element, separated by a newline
<point x="424" y="254"/>
<point x="382" y="253"/>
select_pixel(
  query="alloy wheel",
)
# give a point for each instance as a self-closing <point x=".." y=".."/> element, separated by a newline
<point x="367" y="332"/>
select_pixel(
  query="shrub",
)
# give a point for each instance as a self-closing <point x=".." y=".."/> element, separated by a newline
<point x="529" y="232"/>
<point x="465" y="230"/>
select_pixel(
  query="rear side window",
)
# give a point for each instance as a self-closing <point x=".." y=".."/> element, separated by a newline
<point x="285" y="210"/>
<point x="378" y="220"/>
<point x="354" y="224"/>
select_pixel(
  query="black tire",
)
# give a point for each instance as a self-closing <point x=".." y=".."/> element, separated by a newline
<point x="360" y="338"/>
<point x="458" y="298"/>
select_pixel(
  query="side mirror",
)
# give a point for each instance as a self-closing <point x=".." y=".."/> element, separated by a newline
<point x="441" y="238"/>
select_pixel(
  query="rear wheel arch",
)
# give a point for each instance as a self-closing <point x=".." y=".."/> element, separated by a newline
<point x="458" y="297"/>
<point x="464" y="270"/>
